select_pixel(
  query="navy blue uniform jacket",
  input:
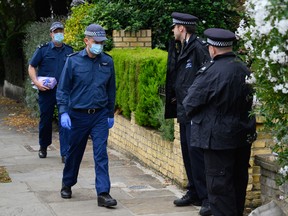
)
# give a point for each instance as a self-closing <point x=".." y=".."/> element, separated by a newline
<point x="87" y="83"/>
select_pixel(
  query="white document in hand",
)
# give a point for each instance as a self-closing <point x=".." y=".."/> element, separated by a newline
<point x="49" y="82"/>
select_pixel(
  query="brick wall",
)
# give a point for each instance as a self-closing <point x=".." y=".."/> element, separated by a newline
<point x="260" y="146"/>
<point x="165" y="157"/>
<point x="270" y="190"/>
<point x="126" y="39"/>
<point x="148" y="148"/>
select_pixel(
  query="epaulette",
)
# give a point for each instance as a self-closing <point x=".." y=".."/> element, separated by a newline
<point x="201" y="41"/>
<point x="205" y="66"/>
<point x="43" y="45"/>
<point x="72" y="54"/>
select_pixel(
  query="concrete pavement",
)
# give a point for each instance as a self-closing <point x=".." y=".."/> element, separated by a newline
<point x="36" y="183"/>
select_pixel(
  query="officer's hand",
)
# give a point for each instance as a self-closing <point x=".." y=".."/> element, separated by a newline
<point x="41" y="86"/>
<point x="65" y="121"/>
<point x="110" y="122"/>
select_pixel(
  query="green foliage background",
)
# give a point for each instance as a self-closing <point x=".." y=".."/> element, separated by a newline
<point x="133" y="15"/>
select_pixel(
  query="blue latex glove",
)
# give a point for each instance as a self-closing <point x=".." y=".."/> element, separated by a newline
<point x="65" y="121"/>
<point x="110" y="122"/>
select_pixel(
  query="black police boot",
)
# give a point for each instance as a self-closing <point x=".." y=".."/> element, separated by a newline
<point x="205" y="208"/>
<point x="104" y="199"/>
<point x="42" y="152"/>
<point x="187" y="200"/>
<point x="66" y="192"/>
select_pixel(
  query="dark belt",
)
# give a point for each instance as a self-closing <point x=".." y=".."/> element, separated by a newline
<point x="88" y="111"/>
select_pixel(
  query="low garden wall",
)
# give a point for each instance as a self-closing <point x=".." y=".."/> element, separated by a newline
<point x="270" y="190"/>
<point x="164" y="157"/>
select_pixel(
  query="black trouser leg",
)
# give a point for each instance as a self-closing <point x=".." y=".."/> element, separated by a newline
<point x="227" y="178"/>
<point x="184" y="141"/>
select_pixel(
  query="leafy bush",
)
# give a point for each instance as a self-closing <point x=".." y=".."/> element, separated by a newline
<point x="166" y="125"/>
<point x="264" y="32"/>
<point x="139" y="73"/>
<point x="75" y="26"/>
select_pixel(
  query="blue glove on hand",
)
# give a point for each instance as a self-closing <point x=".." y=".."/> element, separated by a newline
<point x="110" y="122"/>
<point x="65" y="121"/>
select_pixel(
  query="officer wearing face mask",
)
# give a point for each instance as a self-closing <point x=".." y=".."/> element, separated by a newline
<point x="86" y="98"/>
<point x="48" y="62"/>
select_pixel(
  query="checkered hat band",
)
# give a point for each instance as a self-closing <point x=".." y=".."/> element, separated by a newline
<point x="219" y="43"/>
<point x="97" y="33"/>
<point x="181" y="22"/>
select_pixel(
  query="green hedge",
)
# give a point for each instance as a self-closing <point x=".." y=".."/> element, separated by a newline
<point x="139" y="74"/>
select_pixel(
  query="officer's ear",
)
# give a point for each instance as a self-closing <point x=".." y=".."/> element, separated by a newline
<point x="86" y="40"/>
<point x="181" y="28"/>
<point x="212" y="51"/>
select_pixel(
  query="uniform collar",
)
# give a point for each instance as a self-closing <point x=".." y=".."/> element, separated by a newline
<point x="52" y="45"/>
<point x="192" y="38"/>
<point x="84" y="53"/>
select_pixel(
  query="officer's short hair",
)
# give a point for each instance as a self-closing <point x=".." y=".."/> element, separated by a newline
<point x="190" y="29"/>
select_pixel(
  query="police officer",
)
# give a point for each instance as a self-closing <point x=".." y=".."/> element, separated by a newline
<point x="219" y="102"/>
<point x="182" y="67"/>
<point x="48" y="61"/>
<point x="86" y="98"/>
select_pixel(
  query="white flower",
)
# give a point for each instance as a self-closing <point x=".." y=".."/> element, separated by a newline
<point x="285" y="91"/>
<point x="272" y="79"/>
<point x="283" y="171"/>
<point x="266" y="28"/>
<point x="263" y="56"/>
<point x="281" y="87"/>
<point x="277" y="56"/>
<point x="256" y="101"/>
<point x="282" y="26"/>
<point x="277" y="88"/>
<point x="250" y="79"/>
<point x="248" y="45"/>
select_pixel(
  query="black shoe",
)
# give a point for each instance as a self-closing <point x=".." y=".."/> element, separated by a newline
<point x="187" y="200"/>
<point x="205" y="208"/>
<point x="104" y="199"/>
<point x="66" y="192"/>
<point x="42" y="152"/>
<point x="63" y="159"/>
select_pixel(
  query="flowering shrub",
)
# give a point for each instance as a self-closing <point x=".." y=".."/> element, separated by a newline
<point x="265" y="35"/>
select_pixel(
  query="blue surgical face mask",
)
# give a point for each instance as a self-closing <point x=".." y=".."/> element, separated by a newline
<point x="96" y="49"/>
<point x="58" y="37"/>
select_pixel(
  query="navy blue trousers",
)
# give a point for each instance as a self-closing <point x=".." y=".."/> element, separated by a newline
<point x="47" y="103"/>
<point x="83" y="125"/>
<point x="193" y="159"/>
